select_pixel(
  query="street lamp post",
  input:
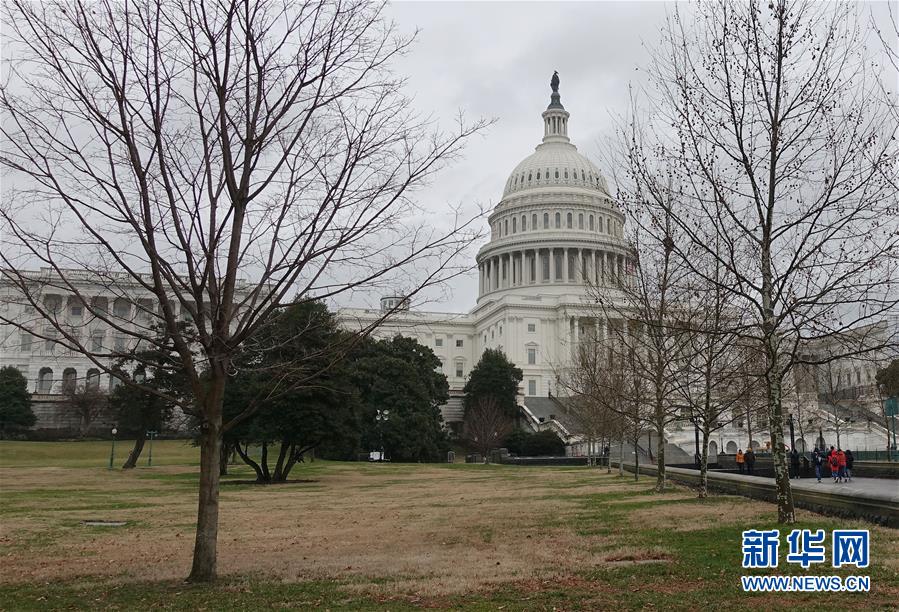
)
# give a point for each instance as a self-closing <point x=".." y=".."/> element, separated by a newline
<point x="792" y="433"/>
<point x="112" y="450"/>
<point x="150" y="434"/>
<point x="382" y="416"/>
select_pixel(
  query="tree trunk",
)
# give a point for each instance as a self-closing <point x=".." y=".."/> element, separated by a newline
<point x="204" y="562"/>
<point x="279" y="475"/>
<point x="636" y="458"/>
<point x="704" y="464"/>
<point x="131" y="462"/>
<point x="660" y="452"/>
<point x="223" y="461"/>
<point x="621" y="455"/>
<point x="263" y="463"/>
<point x="245" y="457"/>
<point x="785" y="510"/>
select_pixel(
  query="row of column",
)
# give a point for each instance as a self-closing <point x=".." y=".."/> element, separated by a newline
<point x="550" y="265"/>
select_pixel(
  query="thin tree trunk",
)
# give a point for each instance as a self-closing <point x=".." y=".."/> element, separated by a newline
<point x="205" y="546"/>
<point x="245" y="457"/>
<point x="621" y="455"/>
<point x="660" y="452"/>
<point x="704" y="464"/>
<point x="134" y="455"/>
<point x="279" y="475"/>
<point x="636" y="457"/>
<point x="263" y="463"/>
<point x="785" y="511"/>
<point x="223" y="462"/>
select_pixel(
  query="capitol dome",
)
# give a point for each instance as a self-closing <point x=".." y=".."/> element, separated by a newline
<point x="556" y="225"/>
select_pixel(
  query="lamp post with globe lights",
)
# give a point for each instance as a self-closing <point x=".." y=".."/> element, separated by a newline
<point x="112" y="450"/>
<point x="381" y="416"/>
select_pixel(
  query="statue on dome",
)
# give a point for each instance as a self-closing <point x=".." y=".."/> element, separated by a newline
<point x="554" y="82"/>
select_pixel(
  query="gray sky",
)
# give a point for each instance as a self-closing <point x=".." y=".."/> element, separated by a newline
<point x="495" y="59"/>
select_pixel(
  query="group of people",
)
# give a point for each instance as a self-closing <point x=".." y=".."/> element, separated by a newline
<point x="839" y="462"/>
<point x="746" y="461"/>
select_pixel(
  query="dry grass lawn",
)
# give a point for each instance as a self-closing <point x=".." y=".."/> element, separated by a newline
<point x="424" y="533"/>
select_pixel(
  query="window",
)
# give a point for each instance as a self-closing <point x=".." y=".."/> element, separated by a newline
<point x="538" y="175"/>
<point x="76" y="311"/>
<point x="459" y="370"/>
<point x="50" y="342"/>
<point x="532" y="387"/>
<point x="438" y="342"/>
<point x="45" y="380"/>
<point x="93" y="379"/>
<point x="500" y="330"/>
<point x="119" y="344"/>
<point x="568" y="220"/>
<point x="97" y="340"/>
<point x="532" y="327"/>
<point x="532" y="356"/>
<point x="69" y="379"/>
<point x="459" y="343"/>
<point x="505" y="227"/>
<point x="557" y="173"/>
<point x="514" y="225"/>
<point x="25" y="339"/>
<point x="566" y="172"/>
<point x="558" y="220"/>
<point x="580" y="221"/>
<point x="485" y="338"/>
<point x="524" y="222"/>
<point x="534" y="221"/>
<point x="591" y="223"/>
<point x="608" y="226"/>
<point x="545" y="220"/>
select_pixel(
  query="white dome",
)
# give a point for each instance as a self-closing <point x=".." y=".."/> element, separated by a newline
<point x="555" y="164"/>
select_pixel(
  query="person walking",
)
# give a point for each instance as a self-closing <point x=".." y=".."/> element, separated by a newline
<point x="749" y="458"/>
<point x="794" y="464"/>
<point x="841" y="464"/>
<point x="818" y="461"/>
<point x="849" y="461"/>
<point x="741" y="464"/>
<point x="834" y="464"/>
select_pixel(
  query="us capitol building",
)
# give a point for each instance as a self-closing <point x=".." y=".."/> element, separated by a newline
<point x="555" y="231"/>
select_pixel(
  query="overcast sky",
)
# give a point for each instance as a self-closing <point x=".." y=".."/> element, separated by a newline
<point x="495" y="60"/>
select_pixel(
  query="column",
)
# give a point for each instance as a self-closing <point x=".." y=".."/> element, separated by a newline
<point x="493" y="274"/>
<point x="552" y="265"/>
<point x="565" y="278"/>
<point x="593" y="275"/>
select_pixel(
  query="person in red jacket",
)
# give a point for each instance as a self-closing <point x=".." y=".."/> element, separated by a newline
<point x="841" y="464"/>
<point x="834" y="463"/>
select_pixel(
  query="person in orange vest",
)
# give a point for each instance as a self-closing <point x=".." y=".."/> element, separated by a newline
<point x="741" y="462"/>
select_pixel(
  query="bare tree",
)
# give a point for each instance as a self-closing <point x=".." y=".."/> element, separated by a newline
<point x="224" y="157"/>
<point x="486" y="425"/>
<point x="783" y="158"/>
<point x="87" y="401"/>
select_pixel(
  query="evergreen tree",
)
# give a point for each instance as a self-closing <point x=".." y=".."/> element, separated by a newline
<point x="495" y="377"/>
<point x="402" y="376"/>
<point x="15" y="401"/>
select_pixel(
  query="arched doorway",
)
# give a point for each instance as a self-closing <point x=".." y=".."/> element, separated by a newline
<point x="45" y="380"/>
<point x="69" y="380"/>
<point x="713" y="451"/>
<point x="731" y="448"/>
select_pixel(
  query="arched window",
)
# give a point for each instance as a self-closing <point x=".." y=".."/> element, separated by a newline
<point x="514" y="225"/>
<point x="69" y="379"/>
<point x="505" y="227"/>
<point x="545" y="220"/>
<point x="534" y="221"/>
<point x="568" y="220"/>
<point x="608" y="225"/>
<point x="580" y="221"/>
<point x="582" y="176"/>
<point x="45" y="380"/>
<point x="538" y="175"/>
<point x="566" y="172"/>
<point x="524" y="223"/>
<point x="529" y="177"/>
<point x="93" y="379"/>
<point x="591" y="222"/>
<point x="558" y="220"/>
<point x="557" y="173"/>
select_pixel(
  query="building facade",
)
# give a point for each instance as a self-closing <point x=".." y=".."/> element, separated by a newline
<point x="556" y="237"/>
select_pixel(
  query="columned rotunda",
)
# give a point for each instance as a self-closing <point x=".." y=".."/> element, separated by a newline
<point x="555" y="233"/>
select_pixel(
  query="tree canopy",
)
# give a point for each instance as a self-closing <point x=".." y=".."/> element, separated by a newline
<point x="15" y="401"/>
<point x="888" y="378"/>
<point x="494" y="376"/>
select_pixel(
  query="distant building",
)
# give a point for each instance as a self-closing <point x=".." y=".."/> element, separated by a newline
<point x="555" y="230"/>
